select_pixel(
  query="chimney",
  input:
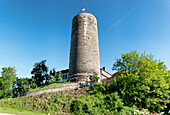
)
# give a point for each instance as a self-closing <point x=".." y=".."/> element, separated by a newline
<point x="104" y="68"/>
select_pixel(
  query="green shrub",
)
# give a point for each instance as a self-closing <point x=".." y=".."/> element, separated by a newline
<point x="33" y="86"/>
<point x="100" y="101"/>
<point x="94" y="78"/>
<point x="143" y="78"/>
<point x="59" y="77"/>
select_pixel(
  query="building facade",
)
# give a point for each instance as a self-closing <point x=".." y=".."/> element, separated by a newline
<point x="102" y="76"/>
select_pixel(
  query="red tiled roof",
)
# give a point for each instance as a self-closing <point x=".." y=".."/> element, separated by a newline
<point x="113" y="75"/>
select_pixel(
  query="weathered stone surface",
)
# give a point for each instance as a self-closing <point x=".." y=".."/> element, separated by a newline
<point x="61" y="88"/>
<point x="84" y="51"/>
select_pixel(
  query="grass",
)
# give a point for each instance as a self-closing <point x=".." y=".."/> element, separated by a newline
<point x="19" y="112"/>
<point x="53" y="85"/>
<point x="53" y="103"/>
<point x="80" y="101"/>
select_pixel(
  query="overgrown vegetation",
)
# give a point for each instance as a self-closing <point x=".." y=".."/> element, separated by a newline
<point x="94" y="78"/>
<point x="56" y="102"/>
<point x="144" y="78"/>
<point x="6" y="81"/>
<point x="12" y="86"/>
<point x="59" y="77"/>
<point x="101" y="99"/>
<point x="40" y="75"/>
<point x="142" y="83"/>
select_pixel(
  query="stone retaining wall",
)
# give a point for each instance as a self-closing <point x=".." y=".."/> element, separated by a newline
<point x="61" y="88"/>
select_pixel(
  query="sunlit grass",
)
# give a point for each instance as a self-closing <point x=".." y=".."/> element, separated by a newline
<point x="19" y="112"/>
<point x="53" y="85"/>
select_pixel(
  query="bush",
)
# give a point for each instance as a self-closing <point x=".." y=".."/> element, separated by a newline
<point x="100" y="100"/>
<point x="77" y="107"/>
<point x="143" y="78"/>
<point x="33" y="86"/>
<point x="94" y="78"/>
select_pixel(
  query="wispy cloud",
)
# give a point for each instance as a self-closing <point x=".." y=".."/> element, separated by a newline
<point x="126" y="15"/>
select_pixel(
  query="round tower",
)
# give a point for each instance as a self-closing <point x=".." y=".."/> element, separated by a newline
<point x="84" y="51"/>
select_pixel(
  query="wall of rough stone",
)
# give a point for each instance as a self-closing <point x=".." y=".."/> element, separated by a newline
<point x="84" y="51"/>
<point x="61" y="88"/>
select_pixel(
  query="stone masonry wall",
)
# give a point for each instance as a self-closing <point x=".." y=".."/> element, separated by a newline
<point x="84" y="51"/>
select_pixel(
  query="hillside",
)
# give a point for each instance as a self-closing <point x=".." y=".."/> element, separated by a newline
<point x="56" y="102"/>
<point x="144" y="84"/>
<point x="83" y="100"/>
<point x="98" y="99"/>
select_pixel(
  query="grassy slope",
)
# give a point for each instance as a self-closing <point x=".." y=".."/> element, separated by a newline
<point x="53" y="85"/>
<point x="19" y="112"/>
<point x="79" y="101"/>
<point x="55" y="102"/>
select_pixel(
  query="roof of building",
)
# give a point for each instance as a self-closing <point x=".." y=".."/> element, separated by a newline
<point x="113" y="75"/>
<point x="64" y="71"/>
<point x="105" y="71"/>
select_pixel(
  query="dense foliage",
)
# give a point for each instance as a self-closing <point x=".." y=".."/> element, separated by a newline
<point x="39" y="72"/>
<point x="20" y="87"/>
<point x="59" y="77"/>
<point x="53" y="103"/>
<point x="101" y="99"/>
<point x="142" y="82"/>
<point x="6" y="81"/>
<point x="94" y="78"/>
<point x="144" y="79"/>
<point x="12" y="86"/>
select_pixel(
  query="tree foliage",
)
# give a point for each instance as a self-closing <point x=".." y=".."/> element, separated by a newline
<point x="144" y="78"/>
<point x="6" y="81"/>
<point x="40" y="73"/>
<point x="94" y="78"/>
<point x="59" y="77"/>
<point x="101" y="99"/>
<point x="53" y="75"/>
<point x="20" y="87"/>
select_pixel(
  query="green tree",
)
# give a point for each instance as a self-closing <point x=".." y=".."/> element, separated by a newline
<point x="1" y="87"/>
<point x="52" y="75"/>
<point x="53" y="79"/>
<point x="59" y="77"/>
<point x="32" y="83"/>
<point x="6" y="81"/>
<point x="143" y="78"/>
<point x="20" y="87"/>
<point x="52" y="72"/>
<point x="40" y="73"/>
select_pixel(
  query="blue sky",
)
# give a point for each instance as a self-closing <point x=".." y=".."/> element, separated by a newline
<point x="35" y="30"/>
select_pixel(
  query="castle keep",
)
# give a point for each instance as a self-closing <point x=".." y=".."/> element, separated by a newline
<point x="84" y="51"/>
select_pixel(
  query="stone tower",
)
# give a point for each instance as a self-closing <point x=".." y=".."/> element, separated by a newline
<point x="84" y="51"/>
